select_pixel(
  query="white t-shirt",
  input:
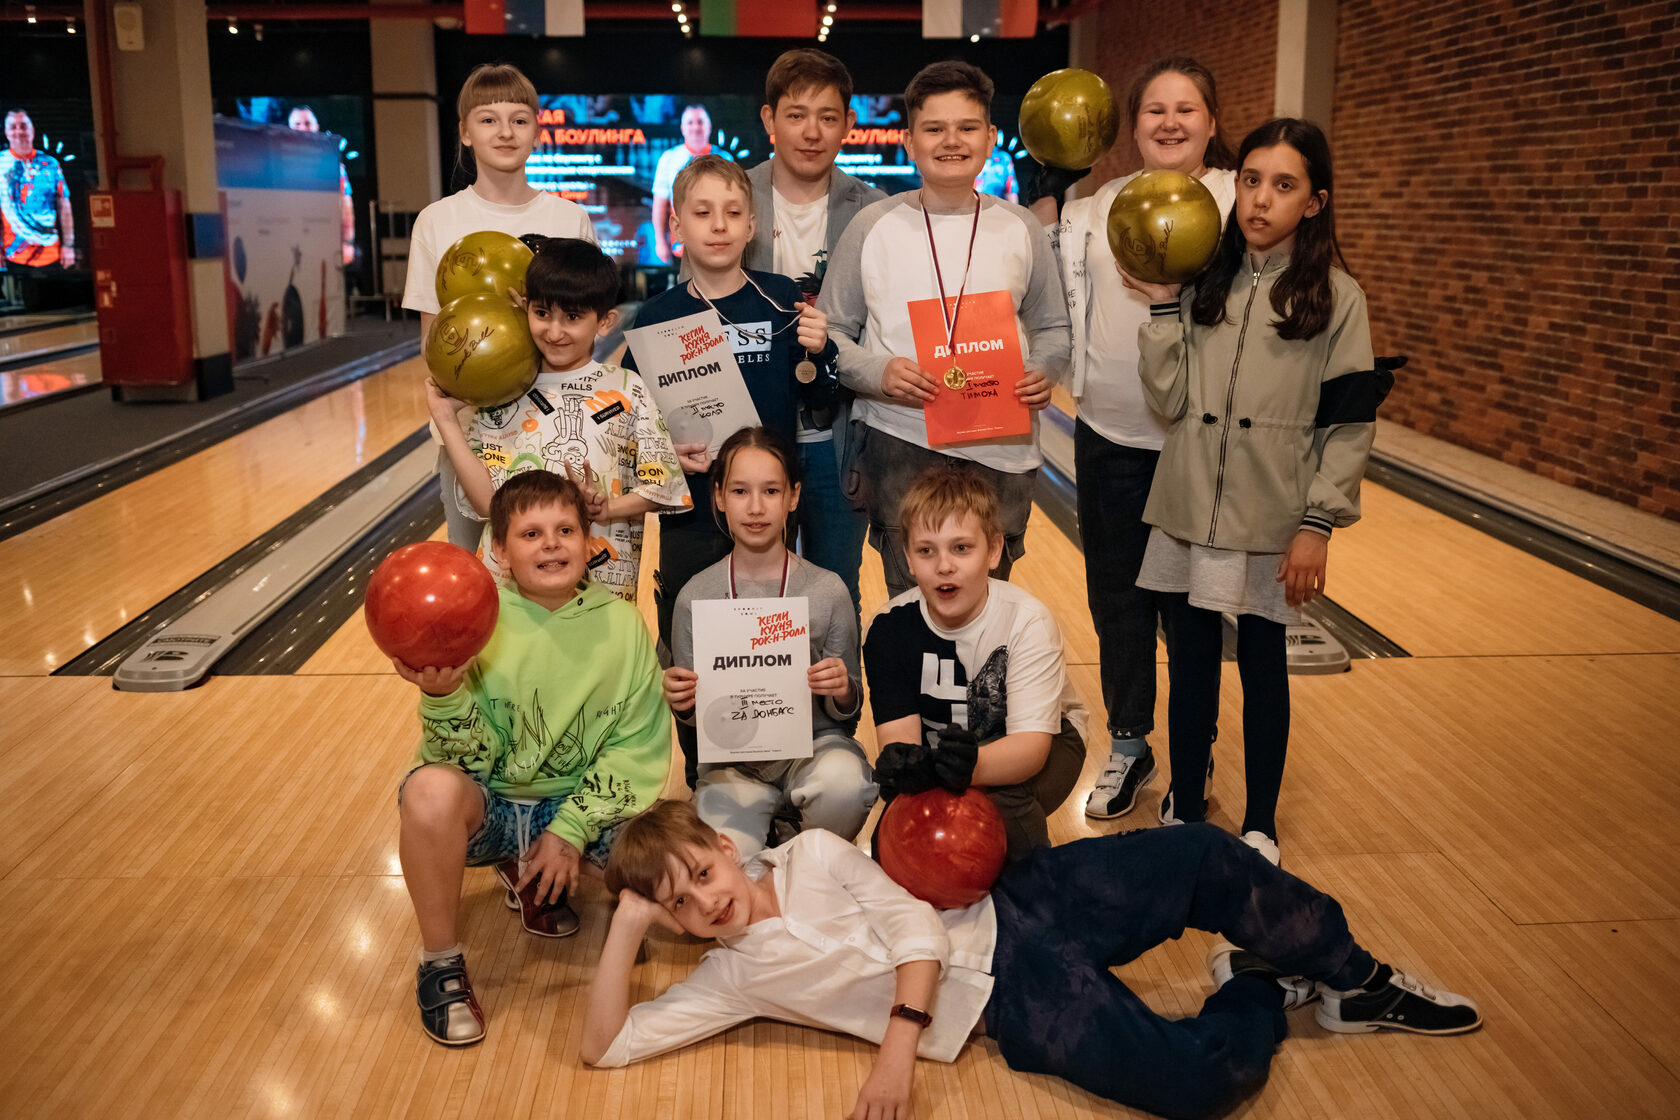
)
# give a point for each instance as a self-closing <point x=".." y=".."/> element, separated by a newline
<point x="448" y="220"/>
<point x="1112" y="402"/>
<point x="665" y="171"/>
<point x="799" y="236"/>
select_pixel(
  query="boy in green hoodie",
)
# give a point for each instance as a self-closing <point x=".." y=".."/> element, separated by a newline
<point x="533" y="753"/>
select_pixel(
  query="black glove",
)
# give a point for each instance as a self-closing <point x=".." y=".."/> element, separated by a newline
<point x="905" y="768"/>
<point x="1050" y="181"/>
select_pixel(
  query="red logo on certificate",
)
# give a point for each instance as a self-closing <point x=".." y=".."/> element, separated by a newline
<point x="976" y="398"/>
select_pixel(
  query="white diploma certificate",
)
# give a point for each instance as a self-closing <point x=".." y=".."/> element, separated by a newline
<point x="690" y="368"/>
<point x="752" y="699"/>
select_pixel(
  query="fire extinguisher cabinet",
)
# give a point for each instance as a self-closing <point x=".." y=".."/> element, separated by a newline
<point x="142" y="295"/>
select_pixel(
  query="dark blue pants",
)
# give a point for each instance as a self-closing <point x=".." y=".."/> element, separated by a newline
<point x="1067" y="915"/>
<point x="1113" y="487"/>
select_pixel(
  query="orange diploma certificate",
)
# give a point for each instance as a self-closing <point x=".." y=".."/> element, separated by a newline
<point x="979" y="403"/>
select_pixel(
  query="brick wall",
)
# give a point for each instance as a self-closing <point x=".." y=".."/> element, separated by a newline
<point x="1236" y="41"/>
<point x="1509" y="196"/>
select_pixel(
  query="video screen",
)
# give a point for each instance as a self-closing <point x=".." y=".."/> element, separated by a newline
<point x="47" y="166"/>
<point x="616" y="156"/>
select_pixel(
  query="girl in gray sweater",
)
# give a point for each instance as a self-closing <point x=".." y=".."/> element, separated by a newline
<point x="755" y="488"/>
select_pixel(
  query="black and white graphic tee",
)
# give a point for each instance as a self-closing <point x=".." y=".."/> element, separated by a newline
<point x="1002" y="673"/>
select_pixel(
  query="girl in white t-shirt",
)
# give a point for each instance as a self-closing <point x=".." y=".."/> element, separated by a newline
<point x="497" y="110"/>
<point x="1174" y="109"/>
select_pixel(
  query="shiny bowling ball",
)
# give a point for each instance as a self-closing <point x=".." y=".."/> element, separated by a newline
<point x="1069" y="119"/>
<point x="944" y="848"/>
<point x="480" y="350"/>
<point x="431" y="605"/>
<point x="486" y="261"/>
<point x="1163" y="227"/>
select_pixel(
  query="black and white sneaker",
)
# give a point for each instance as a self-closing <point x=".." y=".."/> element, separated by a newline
<point x="1226" y="961"/>
<point x="1116" y="791"/>
<point x="1399" y="1003"/>
<point x="1167" y="814"/>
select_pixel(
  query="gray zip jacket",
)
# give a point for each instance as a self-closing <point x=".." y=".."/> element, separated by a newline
<point x="1268" y="436"/>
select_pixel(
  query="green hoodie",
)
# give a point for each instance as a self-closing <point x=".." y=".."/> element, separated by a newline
<point x="563" y="703"/>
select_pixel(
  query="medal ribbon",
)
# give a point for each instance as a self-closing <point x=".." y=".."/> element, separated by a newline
<point x="951" y="315"/>
<point x="781" y="595"/>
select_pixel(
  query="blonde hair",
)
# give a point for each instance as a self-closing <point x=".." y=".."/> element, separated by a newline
<point x="950" y="490"/>
<point x="711" y="164"/>
<point x="645" y="846"/>
<point x="490" y="83"/>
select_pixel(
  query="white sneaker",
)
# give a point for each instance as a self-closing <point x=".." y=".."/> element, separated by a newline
<point x="1117" y="788"/>
<point x="1265" y="845"/>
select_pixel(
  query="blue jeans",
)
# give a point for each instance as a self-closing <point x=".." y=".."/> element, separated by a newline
<point x="830" y="531"/>
<point x="1067" y="915"/>
<point x="1113" y="485"/>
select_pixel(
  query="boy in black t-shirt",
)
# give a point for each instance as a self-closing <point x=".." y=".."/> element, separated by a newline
<point x="770" y="332"/>
<point x="966" y="675"/>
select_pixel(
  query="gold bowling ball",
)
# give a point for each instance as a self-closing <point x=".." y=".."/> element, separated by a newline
<point x="1069" y="119"/>
<point x="480" y="350"/>
<point x="1163" y="227"/>
<point x="485" y="261"/>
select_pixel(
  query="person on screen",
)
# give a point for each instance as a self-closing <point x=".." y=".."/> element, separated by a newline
<point x="696" y="134"/>
<point x="303" y="119"/>
<point x="36" y="229"/>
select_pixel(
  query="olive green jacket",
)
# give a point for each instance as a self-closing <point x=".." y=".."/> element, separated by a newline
<point x="1268" y="436"/>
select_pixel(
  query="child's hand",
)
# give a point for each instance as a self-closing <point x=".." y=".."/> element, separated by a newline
<point x="679" y="688"/>
<point x="1033" y="390"/>
<point x="552" y="863"/>
<point x="643" y="911"/>
<point x="812" y="331"/>
<point x="445" y="409"/>
<point x="886" y="1095"/>
<point x="908" y="383"/>
<point x="828" y="677"/>
<point x="595" y="502"/>
<point x="695" y="458"/>
<point x="1155" y="293"/>
<point x="432" y="680"/>
<point x="1301" y="571"/>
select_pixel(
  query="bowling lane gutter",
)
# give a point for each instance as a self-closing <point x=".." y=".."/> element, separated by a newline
<point x="103" y="658"/>
<point x="41" y="503"/>
<point x="1055" y="496"/>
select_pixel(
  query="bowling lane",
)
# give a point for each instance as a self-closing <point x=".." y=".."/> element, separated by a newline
<point x="49" y="376"/>
<point x="75" y="579"/>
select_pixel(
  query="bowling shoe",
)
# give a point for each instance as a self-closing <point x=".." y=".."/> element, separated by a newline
<point x="556" y="919"/>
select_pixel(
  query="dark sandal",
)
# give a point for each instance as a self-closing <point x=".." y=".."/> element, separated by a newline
<point x="438" y="986"/>
<point x="555" y="919"/>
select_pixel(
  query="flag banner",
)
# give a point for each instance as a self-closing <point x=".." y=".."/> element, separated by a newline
<point x="524" y="17"/>
<point x="789" y="19"/>
<point x="997" y="19"/>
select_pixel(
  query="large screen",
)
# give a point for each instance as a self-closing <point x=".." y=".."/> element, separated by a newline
<point x="615" y="155"/>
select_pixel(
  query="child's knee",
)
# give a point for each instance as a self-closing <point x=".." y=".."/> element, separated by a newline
<point x="836" y="791"/>
<point x="438" y="795"/>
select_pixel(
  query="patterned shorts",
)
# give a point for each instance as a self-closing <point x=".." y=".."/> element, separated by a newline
<point x="509" y="827"/>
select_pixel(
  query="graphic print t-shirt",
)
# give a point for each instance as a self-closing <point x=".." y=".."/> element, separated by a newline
<point x="601" y="414"/>
<point x="1001" y="674"/>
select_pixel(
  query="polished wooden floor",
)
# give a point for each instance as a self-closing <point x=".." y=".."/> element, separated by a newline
<point x="201" y="912"/>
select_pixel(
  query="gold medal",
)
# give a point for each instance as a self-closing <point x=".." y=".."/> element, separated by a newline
<point x="805" y="371"/>
<point x="955" y="378"/>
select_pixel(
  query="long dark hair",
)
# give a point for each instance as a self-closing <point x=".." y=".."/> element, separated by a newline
<point x="765" y="439"/>
<point x="1218" y="152"/>
<point x="1301" y="296"/>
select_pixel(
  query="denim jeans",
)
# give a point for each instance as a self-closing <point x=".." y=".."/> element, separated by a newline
<point x="1067" y="915"/>
<point x="1113" y="485"/>
<point x="831" y="532"/>
<point x="891" y="466"/>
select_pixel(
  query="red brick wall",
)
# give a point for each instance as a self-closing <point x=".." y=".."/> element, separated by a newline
<point x="1509" y="196"/>
<point x="1236" y="41"/>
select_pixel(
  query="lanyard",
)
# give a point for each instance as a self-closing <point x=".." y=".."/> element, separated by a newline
<point x="951" y="315"/>
<point x="780" y="595"/>
<point x="745" y="275"/>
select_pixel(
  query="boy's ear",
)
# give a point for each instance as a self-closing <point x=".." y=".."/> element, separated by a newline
<point x="728" y="848"/>
<point x="994" y="551"/>
<point x="497" y="551"/>
<point x="767" y="117"/>
<point x="607" y="323"/>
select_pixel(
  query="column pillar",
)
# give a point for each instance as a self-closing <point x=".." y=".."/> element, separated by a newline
<point x="405" y="131"/>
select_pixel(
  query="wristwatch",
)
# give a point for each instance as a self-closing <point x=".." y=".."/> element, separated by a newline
<point x="915" y="1014"/>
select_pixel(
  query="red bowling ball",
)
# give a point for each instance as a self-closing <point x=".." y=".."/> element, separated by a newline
<point x="431" y="604"/>
<point x="945" y="849"/>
